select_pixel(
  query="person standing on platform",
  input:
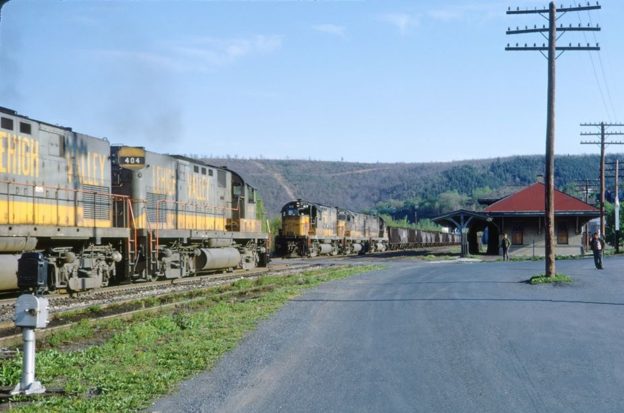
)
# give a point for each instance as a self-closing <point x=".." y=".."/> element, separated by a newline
<point x="505" y="243"/>
<point x="597" y="245"/>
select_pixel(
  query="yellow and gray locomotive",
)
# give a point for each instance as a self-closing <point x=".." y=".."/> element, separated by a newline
<point x="311" y="229"/>
<point x="100" y="213"/>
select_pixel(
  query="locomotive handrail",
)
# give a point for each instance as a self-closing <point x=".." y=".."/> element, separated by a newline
<point x="187" y="203"/>
<point x="58" y="189"/>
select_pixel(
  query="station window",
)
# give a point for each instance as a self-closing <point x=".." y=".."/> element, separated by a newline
<point x="517" y="236"/>
<point x="562" y="234"/>
<point x="6" y="123"/>
<point x="203" y="171"/>
<point x="25" y="128"/>
<point x="196" y="169"/>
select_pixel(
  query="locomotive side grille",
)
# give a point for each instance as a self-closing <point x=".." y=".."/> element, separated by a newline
<point x="96" y="202"/>
<point x="156" y="210"/>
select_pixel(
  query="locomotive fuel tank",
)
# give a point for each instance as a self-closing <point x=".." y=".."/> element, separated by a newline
<point x="8" y="272"/>
<point x="216" y="258"/>
<point x="17" y="244"/>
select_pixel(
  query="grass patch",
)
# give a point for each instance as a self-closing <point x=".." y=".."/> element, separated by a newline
<point x="122" y="365"/>
<point x="543" y="279"/>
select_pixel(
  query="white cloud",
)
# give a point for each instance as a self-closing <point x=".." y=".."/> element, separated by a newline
<point x="200" y="53"/>
<point x="479" y="11"/>
<point x="332" y="29"/>
<point x="402" y="21"/>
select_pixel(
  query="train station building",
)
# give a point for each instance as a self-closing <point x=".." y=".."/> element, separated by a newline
<point x="521" y="216"/>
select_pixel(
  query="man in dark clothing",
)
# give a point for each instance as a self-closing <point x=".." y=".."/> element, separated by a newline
<point x="505" y="243"/>
<point x="597" y="246"/>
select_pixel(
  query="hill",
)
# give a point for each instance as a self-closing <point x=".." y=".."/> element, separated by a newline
<point x="402" y="189"/>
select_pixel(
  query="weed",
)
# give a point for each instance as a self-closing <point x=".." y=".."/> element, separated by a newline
<point x="543" y="279"/>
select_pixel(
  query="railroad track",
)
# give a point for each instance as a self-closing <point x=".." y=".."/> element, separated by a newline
<point x="125" y="295"/>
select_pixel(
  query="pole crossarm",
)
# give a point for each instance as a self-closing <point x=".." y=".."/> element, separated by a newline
<point x="602" y="134"/>
<point x="544" y="48"/>
<point x="601" y="124"/>
<point x="601" y="143"/>
<point x="545" y="29"/>
<point x="518" y="10"/>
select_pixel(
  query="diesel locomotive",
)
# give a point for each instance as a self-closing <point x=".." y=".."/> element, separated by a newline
<point x="311" y="229"/>
<point x="102" y="213"/>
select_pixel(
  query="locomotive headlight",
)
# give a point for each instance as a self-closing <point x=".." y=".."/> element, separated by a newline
<point x="116" y="256"/>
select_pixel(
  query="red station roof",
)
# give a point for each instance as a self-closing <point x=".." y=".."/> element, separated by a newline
<point x="531" y="199"/>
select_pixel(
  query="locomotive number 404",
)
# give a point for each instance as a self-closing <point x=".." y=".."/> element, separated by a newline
<point x="131" y="157"/>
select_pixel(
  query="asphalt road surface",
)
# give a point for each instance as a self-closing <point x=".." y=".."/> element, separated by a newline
<point x="431" y="337"/>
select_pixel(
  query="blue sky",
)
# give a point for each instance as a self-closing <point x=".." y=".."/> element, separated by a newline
<point x="387" y="81"/>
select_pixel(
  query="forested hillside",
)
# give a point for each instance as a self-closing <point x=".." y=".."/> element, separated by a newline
<point x="403" y="189"/>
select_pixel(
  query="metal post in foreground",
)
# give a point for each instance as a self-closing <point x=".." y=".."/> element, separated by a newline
<point x="30" y="312"/>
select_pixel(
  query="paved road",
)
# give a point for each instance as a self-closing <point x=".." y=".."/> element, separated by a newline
<point x="431" y="337"/>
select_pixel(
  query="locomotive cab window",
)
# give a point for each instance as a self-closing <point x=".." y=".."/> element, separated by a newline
<point x="221" y="180"/>
<point x="196" y="169"/>
<point x="25" y="128"/>
<point x="203" y="171"/>
<point x="6" y="123"/>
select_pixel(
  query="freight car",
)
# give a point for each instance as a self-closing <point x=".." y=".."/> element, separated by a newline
<point x="100" y="213"/>
<point x="311" y="229"/>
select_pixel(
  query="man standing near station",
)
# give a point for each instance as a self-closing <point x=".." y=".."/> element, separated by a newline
<point x="597" y="246"/>
<point x="505" y="243"/>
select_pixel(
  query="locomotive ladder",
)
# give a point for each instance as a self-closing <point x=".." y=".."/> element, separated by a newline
<point x="133" y="255"/>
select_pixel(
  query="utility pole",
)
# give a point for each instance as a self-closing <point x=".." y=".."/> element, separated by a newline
<point x="2" y="2"/>
<point x="617" y="207"/>
<point x="550" y="14"/>
<point x="603" y="143"/>
<point x="616" y="199"/>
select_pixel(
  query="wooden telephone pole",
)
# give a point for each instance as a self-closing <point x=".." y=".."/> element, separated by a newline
<point x="603" y="143"/>
<point x="553" y="52"/>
